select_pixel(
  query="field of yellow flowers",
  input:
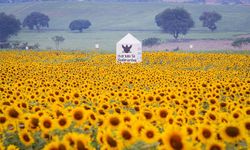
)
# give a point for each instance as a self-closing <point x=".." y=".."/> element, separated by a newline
<point x="56" y="100"/>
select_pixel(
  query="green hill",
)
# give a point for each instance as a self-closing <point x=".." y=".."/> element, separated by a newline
<point x="111" y="21"/>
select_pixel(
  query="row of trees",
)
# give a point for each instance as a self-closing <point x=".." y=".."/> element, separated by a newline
<point x="173" y="21"/>
<point x="9" y="25"/>
<point x="178" y="21"/>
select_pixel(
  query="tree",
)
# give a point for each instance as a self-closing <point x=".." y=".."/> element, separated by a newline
<point x="58" y="39"/>
<point x="209" y="19"/>
<point x="79" y="25"/>
<point x="174" y="21"/>
<point x="9" y="26"/>
<point x="37" y="20"/>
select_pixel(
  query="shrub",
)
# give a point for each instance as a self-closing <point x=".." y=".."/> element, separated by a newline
<point x="151" y="41"/>
<point x="241" y="41"/>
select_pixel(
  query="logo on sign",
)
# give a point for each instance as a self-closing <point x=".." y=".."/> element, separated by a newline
<point x="126" y="48"/>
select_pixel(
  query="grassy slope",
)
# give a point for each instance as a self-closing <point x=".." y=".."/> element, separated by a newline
<point x="110" y="21"/>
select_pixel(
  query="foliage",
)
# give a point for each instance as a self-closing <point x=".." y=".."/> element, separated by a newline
<point x="9" y="26"/>
<point x="209" y="19"/>
<point x="151" y="41"/>
<point x="241" y="41"/>
<point x="58" y="39"/>
<point x="23" y="45"/>
<point x="79" y="25"/>
<point x="174" y="21"/>
<point x="36" y="20"/>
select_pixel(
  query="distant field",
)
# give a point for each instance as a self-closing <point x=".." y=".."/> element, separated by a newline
<point x="111" y="21"/>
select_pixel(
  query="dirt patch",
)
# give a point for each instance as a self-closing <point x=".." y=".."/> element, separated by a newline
<point x="197" y="45"/>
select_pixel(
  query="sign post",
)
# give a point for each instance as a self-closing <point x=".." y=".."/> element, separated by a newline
<point x="129" y="50"/>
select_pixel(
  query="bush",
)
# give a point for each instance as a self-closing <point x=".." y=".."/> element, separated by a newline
<point x="151" y="41"/>
<point x="241" y="41"/>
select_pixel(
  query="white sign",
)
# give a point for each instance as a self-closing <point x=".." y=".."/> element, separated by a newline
<point x="129" y="50"/>
<point x="96" y="46"/>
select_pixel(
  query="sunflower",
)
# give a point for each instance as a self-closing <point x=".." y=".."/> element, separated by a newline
<point x="150" y="134"/>
<point x="190" y="131"/>
<point x="147" y="115"/>
<point x="139" y="126"/>
<point x="70" y="138"/>
<point x="46" y="123"/>
<point x="205" y="133"/>
<point x="92" y="117"/>
<point x="63" y="122"/>
<point x="192" y="112"/>
<point x="46" y="135"/>
<point x="82" y="142"/>
<point x="215" y="145"/>
<point x="10" y="126"/>
<point x="232" y="132"/>
<point x="51" y="146"/>
<point x="62" y="145"/>
<point x="78" y="115"/>
<point x="127" y="135"/>
<point x="100" y="136"/>
<point x="212" y="116"/>
<point x="246" y="125"/>
<point x="33" y="122"/>
<point x="12" y="147"/>
<point x="162" y="113"/>
<point x="174" y="139"/>
<point x="1" y="146"/>
<point x="26" y="138"/>
<point x="13" y="113"/>
<point x="128" y="118"/>
<point x="3" y="119"/>
<point x="111" y="142"/>
<point x="113" y="121"/>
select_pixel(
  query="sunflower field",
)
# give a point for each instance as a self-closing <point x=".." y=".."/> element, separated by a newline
<point x="55" y="100"/>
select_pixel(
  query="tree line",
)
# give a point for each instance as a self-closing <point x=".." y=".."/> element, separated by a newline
<point x="173" y="21"/>
<point x="10" y="25"/>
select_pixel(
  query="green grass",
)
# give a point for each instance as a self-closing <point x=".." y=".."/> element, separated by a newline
<point x="111" y="21"/>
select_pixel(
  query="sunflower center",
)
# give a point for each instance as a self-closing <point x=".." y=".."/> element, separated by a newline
<point x="232" y="131"/>
<point x="59" y="113"/>
<point x="206" y="133"/>
<point x="80" y="146"/>
<point x="248" y="112"/>
<point x="147" y="115"/>
<point x="236" y="115"/>
<point x="26" y="138"/>
<point x="163" y="114"/>
<point x="76" y="95"/>
<point x="13" y="113"/>
<point x="126" y="135"/>
<point x="150" y="134"/>
<point x="150" y="98"/>
<point x="62" y="122"/>
<point x="47" y="124"/>
<point x="127" y="119"/>
<point x="247" y="125"/>
<point x="111" y="142"/>
<point x="190" y="131"/>
<point x="215" y="147"/>
<point x="114" y="121"/>
<point x="62" y="147"/>
<point x="175" y="142"/>
<point x="34" y="122"/>
<point x="92" y="117"/>
<point x="192" y="112"/>
<point x="212" y="116"/>
<point x="2" y="120"/>
<point x="78" y="115"/>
